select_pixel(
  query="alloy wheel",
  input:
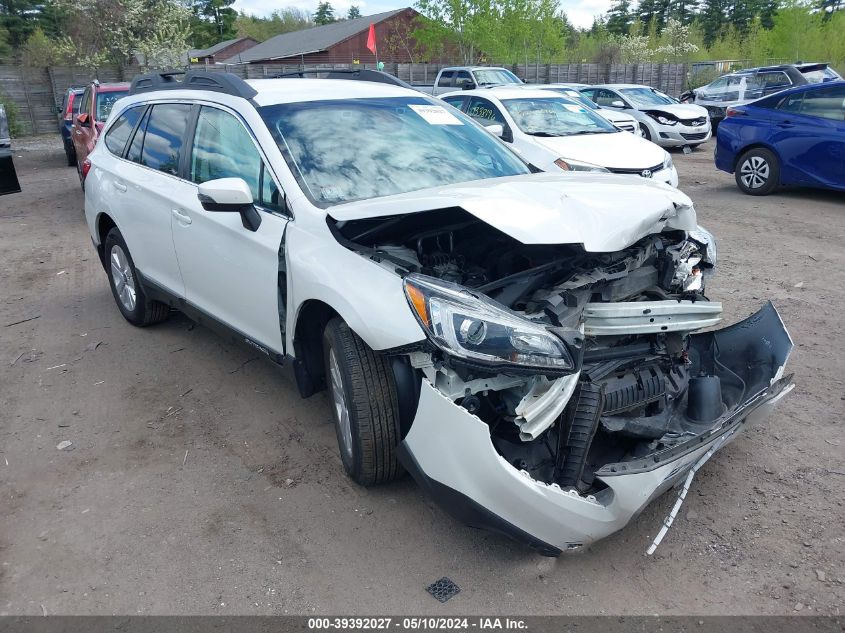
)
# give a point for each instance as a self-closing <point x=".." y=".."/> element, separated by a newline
<point x="754" y="172"/>
<point x="341" y="409"/>
<point x="124" y="281"/>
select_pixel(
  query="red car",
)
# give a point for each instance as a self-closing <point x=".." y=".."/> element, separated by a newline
<point x="97" y="102"/>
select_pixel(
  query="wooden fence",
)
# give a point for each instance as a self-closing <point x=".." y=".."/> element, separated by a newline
<point x="37" y="92"/>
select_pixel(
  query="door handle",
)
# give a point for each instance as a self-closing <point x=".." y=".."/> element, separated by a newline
<point x="786" y="124"/>
<point x="120" y="187"/>
<point x="181" y="217"/>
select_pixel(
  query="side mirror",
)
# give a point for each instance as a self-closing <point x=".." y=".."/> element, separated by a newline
<point x="497" y="129"/>
<point x="618" y="103"/>
<point x="230" y="195"/>
<point x="470" y="85"/>
<point x="82" y="120"/>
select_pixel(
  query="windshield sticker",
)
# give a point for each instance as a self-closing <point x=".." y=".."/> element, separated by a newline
<point x="574" y="108"/>
<point x="435" y="114"/>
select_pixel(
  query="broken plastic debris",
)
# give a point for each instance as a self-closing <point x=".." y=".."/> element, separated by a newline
<point x="64" y="445"/>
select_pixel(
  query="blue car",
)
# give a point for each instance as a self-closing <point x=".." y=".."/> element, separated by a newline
<point x="795" y="137"/>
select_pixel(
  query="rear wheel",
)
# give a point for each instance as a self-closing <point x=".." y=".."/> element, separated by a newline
<point x="757" y="172"/>
<point x="365" y="406"/>
<point x="125" y="284"/>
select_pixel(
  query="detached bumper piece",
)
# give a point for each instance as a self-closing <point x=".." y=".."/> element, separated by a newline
<point x="736" y="378"/>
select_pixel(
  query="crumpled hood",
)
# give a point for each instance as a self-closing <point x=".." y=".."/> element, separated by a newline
<point x="603" y="212"/>
<point x="680" y="110"/>
<point x="614" y="151"/>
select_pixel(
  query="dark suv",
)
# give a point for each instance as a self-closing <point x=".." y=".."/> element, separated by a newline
<point x="747" y="85"/>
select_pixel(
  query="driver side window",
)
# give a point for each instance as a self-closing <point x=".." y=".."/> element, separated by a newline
<point x="223" y="148"/>
<point x="606" y="97"/>
<point x="484" y="112"/>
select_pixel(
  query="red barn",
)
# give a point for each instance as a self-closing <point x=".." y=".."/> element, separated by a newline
<point x="341" y="42"/>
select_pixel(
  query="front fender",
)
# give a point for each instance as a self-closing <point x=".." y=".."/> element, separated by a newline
<point x="367" y="296"/>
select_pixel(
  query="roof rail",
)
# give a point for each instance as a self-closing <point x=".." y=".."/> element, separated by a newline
<point x="227" y="83"/>
<point x="359" y="74"/>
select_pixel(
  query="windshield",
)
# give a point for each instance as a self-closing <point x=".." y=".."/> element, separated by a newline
<point x="645" y="97"/>
<point x="487" y="77"/>
<point x="106" y="101"/>
<point x="555" y="116"/>
<point x="345" y="150"/>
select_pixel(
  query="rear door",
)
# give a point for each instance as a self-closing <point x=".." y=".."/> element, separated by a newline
<point x="231" y="272"/>
<point x="149" y="184"/>
<point x="809" y="135"/>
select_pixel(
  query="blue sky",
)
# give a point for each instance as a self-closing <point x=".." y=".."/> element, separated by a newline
<point x="580" y="12"/>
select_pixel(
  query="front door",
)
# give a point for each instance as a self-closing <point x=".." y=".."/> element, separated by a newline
<point x="231" y="272"/>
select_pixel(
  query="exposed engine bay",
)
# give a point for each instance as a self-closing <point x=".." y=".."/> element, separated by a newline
<point x="607" y="372"/>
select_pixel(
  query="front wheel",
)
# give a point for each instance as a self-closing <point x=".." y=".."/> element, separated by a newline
<point x="645" y="132"/>
<point x="125" y="285"/>
<point x="365" y="406"/>
<point x="757" y="172"/>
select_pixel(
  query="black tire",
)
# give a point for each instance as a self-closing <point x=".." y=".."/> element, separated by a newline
<point x="145" y="311"/>
<point x="757" y="172"/>
<point x="646" y="132"/>
<point x="369" y="448"/>
<point x="70" y="153"/>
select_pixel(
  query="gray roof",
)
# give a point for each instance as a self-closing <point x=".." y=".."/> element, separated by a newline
<point x="312" y="40"/>
<point x="211" y="50"/>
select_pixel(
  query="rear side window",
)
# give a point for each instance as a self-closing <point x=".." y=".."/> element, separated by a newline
<point x="826" y="103"/>
<point x="122" y="128"/>
<point x="445" y="78"/>
<point x="134" y="153"/>
<point x="455" y="102"/>
<point x="163" y="139"/>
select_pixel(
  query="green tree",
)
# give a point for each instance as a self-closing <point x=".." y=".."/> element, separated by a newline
<point x="213" y="21"/>
<point x="619" y="17"/>
<point x="353" y="13"/>
<point x="278" y="22"/>
<point x="684" y="11"/>
<point x="712" y="20"/>
<point x="324" y="14"/>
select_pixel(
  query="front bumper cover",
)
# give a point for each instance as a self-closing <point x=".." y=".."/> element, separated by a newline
<point x="450" y="454"/>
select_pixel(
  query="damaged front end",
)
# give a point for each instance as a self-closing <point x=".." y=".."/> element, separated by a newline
<point x="562" y="390"/>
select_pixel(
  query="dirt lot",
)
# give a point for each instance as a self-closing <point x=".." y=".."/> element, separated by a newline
<point x="199" y="482"/>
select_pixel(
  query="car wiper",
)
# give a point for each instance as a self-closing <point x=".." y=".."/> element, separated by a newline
<point x="591" y="132"/>
<point x="544" y="134"/>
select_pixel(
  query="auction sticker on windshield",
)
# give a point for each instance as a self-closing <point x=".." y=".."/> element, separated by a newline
<point x="435" y="114"/>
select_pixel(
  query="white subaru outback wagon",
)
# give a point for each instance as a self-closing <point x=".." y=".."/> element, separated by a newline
<point x="524" y="344"/>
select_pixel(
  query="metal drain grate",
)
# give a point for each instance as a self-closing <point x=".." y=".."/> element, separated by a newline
<point x="443" y="589"/>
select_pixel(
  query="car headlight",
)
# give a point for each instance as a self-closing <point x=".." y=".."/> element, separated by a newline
<point x="663" y="120"/>
<point x="705" y="237"/>
<point x="475" y="328"/>
<point x="567" y="164"/>
<point x="667" y="160"/>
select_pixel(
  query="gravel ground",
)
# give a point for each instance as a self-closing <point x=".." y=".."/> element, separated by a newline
<point x="198" y="482"/>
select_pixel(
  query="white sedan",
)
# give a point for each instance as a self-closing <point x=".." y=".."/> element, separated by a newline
<point x="552" y="133"/>
<point x="662" y="119"/>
